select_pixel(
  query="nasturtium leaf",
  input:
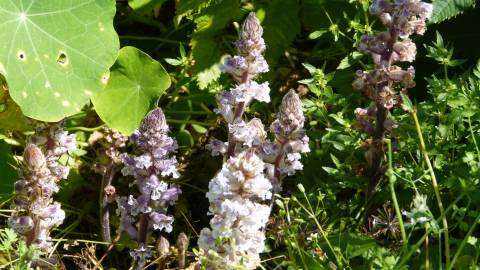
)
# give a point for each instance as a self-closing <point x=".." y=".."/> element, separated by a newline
<point x="136" y="83"/>
<point x="56" y="54"/>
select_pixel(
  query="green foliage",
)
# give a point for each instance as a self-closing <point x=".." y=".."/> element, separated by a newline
<point x="7" y="168"/>
<point x="135" y="85"/>
<point x="326" y="223"/>
<point x="447" y="9"/>
<point x="145" y="5"/>
<point x="15" y="253"/>
<point x="281" y="26"/>
<point x="55" y="55"/>
<point x="206" y="40"/>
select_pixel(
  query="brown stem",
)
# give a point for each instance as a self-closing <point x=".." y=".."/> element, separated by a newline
<point x="143" y="229"/>
<point x="104" y="211"/>
<point x="239" y="109"/>
<point x="376" y="171"/>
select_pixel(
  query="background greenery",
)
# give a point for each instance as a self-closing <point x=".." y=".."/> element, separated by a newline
<point x="325" y="223"/>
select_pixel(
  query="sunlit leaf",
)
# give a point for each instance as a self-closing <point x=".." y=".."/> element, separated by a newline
<point x="56" y="54"/>
<point x="136" y="83"/>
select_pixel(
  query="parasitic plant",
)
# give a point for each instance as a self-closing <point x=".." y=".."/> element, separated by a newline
<point x="253" y="167"/>
<point x="382" y="85"/>
<point x="35" y="212"/>
<point x="153" y="161"/>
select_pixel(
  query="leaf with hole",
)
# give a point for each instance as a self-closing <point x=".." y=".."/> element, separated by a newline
<point x="136" y="83"/>
<point x="56" y="54"/>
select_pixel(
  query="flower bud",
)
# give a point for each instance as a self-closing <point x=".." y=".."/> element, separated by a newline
<point x="34" y="158"/>
<point x="163" y="246"/>
<point x="155" y="121"/>
<point x="182" y="245"/>
<point x="290" y="113"/>
<point x="251" y="28"/>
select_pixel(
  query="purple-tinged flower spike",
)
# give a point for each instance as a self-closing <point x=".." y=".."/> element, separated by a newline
<point x="244" y="67"/>
<point x="35" y="213"/>
<point x="291" y="139"/>
<point x="240" y="194"/>
<point x="401" y="19"/>
<point x="153" y="161"/>
<point x="237" y="197"/>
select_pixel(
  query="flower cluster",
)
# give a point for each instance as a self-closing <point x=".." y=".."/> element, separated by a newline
<point x="401" y="19"/>
<point x="244" y="67"/>
<point x="153" y="161"/>
<point x="253" y="165"/>
<point x="290" y="138"/>
<point x="238" y="216"/>
<point x="35" y="213"/>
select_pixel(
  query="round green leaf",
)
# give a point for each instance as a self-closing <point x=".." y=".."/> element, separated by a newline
<point x="136" y="83"/>
<point x="56" y="54"/>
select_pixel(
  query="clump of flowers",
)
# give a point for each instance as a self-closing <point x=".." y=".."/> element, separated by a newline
<point x="253" y="166"/>
<point x="153" y="161"/>
<point x="382" y="85"/>
<point x="35" y="212"/>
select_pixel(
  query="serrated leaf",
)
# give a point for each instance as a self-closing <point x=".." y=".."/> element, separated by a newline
<point x="136" y="83"/>
<point x="206" y="39"/>
<point x="281" y="26"/>
<point x="476" y="70"/>
<point x="56" y="54"/>
<point x="187" y="7"/>
<point x="447" y="9"/>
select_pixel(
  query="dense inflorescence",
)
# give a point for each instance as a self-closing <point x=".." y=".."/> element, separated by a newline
<point x="35" y="211"/>
<point x="152" y="162"/>
<point x="382" y="85"/>
<point x="253" y="165"/>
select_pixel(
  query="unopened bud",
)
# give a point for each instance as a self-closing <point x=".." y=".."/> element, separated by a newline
<point x="251" y="28"/>
<point x="155" y="120"/>
<point x="182" y="245"/>
<point x="290" y="114"/>
<point x="163" y="246"/>
<point x="33" y="157"/>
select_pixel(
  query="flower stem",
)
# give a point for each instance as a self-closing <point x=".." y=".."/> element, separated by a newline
<point x="423" y="149"/>
<point x="104" y="212"/>
<point x="391" y="178"/>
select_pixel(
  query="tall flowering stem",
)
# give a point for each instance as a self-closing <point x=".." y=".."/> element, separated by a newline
<point x="147" y="209"/>
<point x="401" y="19"/>
<point x="253" y="165"/>
<point x="35" y="212"/>
<point x="244" y="67"/>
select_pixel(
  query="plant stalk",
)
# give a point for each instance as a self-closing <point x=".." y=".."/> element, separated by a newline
<point x="104" y="212"/>
<point x="391" y="178"/>
<point x="423" y="149"/>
